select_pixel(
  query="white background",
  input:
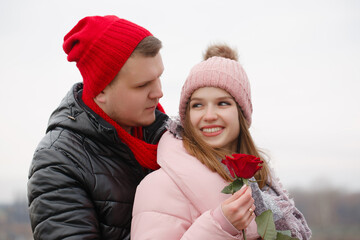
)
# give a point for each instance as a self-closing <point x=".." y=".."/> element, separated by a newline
<point x="302" y="58"/>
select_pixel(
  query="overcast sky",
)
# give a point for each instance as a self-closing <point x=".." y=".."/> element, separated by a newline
<point x="302" y="59"/>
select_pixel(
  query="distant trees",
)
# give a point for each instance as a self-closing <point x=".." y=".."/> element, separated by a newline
<point x="331" y="214"/>
<point x="14" y="221"/>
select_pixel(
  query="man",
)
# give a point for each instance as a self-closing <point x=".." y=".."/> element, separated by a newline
<point x="102" y="139"/>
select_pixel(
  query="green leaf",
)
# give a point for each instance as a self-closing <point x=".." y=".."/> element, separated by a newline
<point x="228" y="189"/>
<point x="286" y="232"/>
<point x="266" y="226"/>
<point x="233" y="187"/>
<point x="283" y="235"/>
<point x="237" y="184"/>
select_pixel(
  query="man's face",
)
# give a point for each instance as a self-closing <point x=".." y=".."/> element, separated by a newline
<point x="131" y="98"/>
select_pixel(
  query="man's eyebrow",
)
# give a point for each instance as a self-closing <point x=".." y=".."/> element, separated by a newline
<point x="149" y="80"/>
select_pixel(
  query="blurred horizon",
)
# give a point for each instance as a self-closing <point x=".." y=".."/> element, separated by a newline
<point x="318" y="186"/>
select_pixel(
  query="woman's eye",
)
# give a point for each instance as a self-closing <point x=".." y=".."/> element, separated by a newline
<point x="196" y="105"/>
<point x="224" y="103"/>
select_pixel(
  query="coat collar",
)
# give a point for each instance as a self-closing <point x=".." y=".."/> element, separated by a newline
<point x="200" y="185"/>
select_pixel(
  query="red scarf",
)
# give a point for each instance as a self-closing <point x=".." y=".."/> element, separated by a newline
<point x="144" y="153"/>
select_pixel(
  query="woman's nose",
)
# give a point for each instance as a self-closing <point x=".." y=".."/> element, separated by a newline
<point x="210" y="114"/>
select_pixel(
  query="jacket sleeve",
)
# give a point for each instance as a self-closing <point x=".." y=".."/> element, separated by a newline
<point x="59" y="206"/>
<point x="161" y="211"/>
<point x="206" y="227"/>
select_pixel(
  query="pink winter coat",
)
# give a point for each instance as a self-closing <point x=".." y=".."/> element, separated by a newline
<point x="182" y="200"/>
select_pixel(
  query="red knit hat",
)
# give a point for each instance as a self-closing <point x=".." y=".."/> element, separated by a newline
<point x="100" y="46"/>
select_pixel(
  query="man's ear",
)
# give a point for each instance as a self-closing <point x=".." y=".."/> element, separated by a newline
<point x="100" y="98"/>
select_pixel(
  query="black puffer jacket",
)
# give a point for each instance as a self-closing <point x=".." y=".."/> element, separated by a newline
<point x="82" y="179"/>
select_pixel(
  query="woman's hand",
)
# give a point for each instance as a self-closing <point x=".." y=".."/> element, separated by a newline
<point x="239" y="208"/>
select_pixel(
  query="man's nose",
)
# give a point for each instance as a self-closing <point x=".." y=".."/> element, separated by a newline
<point x="156" y="92"/>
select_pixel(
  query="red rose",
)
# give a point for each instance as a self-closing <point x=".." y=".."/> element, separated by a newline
<point x="242" y="165"/>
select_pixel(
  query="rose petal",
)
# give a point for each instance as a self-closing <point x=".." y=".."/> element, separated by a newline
<point x="242" y="165"/>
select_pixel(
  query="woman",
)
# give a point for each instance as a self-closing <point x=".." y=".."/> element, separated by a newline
<point x="183" y="199"/>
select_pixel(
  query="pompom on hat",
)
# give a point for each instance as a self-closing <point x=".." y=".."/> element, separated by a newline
<point x="100" y="46"/>
<point x="222" y="73"/>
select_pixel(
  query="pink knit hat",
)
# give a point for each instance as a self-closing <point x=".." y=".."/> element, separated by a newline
<point x="100" y="46"/>
<point x="222" y="73"/>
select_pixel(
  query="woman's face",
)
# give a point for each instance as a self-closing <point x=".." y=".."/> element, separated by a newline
<point x="214" y="116"/>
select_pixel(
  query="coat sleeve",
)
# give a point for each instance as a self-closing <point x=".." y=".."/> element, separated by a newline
<point x="59" y="206"/>
<point x="161" y="211"/>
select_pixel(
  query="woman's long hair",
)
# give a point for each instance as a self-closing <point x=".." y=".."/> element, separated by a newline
<point x="211" y="157"/>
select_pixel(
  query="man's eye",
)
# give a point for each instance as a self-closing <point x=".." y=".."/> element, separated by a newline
<point x="143" y="85"/>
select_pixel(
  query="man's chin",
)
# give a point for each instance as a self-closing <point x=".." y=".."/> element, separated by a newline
<point x="146" y="122"/>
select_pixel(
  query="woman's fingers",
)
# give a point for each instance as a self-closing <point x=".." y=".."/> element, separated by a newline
<point x="237" y="194"/>
<point x="239" y="208"/>
<point x="251" y="210"/>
